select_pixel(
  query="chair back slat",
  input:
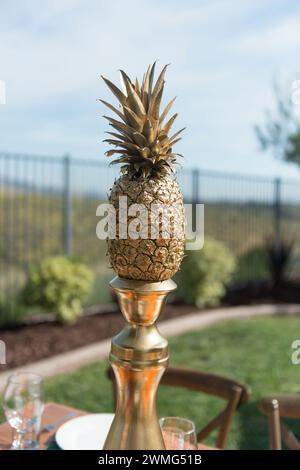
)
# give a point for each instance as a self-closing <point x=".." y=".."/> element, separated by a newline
<point x="199" y="381"/>
<point x="230" y="390"/>
<point x="277" y="407"/>
<point x="289" y="438"/>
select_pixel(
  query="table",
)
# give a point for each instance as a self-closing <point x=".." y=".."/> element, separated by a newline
<point x="52" y="413"/>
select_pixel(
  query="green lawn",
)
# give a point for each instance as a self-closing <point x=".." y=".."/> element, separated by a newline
<point x="255" y="351"/>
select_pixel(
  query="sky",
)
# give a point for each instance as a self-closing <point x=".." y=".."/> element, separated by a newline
<point x="224" y="57"/>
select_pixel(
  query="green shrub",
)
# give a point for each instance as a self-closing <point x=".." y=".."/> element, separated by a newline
<point x="252" y="265"/>
<point x="205" y="273"/>
<point x="60" y="285"/>
<point x="11" y="313"/>
<point x="279" y="254"/>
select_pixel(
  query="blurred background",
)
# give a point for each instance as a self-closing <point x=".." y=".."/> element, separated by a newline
<point x="232" y="66"/>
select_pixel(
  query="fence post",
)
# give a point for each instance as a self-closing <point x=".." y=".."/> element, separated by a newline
<point x="195" y="195"/>
<point x="67" y="207"/>
<point x="277" y="213"/>
<point x="195" y="185"/>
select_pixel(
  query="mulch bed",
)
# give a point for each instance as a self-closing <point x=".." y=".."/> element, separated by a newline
<point x="32" y="342"/>
<point x="29" y="343"/>
<point x="254" y="292"/>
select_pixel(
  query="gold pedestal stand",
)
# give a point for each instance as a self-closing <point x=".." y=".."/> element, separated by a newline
<point x="139" y="356"/>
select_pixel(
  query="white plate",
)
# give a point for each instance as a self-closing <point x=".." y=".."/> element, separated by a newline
<point x="85" y="432"/>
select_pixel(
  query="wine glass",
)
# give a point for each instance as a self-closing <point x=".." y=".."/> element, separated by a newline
<point x="23" y="407"/>
<point x="178" y="433"/>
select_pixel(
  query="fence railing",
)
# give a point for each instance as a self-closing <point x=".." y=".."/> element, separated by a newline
<point x="48" y="207"/>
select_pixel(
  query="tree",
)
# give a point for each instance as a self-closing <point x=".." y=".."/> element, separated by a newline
<point x="281" y="130"/>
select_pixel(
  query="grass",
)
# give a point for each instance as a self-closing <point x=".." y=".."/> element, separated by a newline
<point x="254" y="351"/>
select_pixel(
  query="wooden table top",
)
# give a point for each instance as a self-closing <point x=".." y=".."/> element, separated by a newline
<point x="53" y="412"/>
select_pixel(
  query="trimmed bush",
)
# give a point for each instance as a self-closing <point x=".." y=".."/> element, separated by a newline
<point x="11" y="313"/>
<point x="252" y="265"/>
<point x="60" y="285"/>
<point x="205" y="273"/>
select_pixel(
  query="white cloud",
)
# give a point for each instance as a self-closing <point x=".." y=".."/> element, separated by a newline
<point x="62" y="46"/>
<point x="281" y="37"/>
<point x="52" y="53"/>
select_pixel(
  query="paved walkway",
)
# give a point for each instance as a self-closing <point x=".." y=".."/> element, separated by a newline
<point x="72" y="360"/>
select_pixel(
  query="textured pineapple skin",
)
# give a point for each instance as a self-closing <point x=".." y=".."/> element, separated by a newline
<point x="147" y="259"/>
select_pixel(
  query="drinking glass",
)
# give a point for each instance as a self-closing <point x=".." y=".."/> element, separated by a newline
<point x="23" y="407"/>
<point x="178" y="433"/>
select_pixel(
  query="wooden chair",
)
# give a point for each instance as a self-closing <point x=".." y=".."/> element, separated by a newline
<point x="232" y="391"/>
<point x="276" y="407"/>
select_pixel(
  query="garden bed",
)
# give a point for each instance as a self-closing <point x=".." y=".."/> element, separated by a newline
<point x="263" y="291"/>
<point x="41" y="337"/>
<point x="32" y="342"/>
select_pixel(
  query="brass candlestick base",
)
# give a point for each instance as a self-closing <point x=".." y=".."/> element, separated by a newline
<point x="139" y="356"/>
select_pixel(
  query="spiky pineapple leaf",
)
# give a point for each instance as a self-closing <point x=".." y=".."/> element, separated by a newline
<point x="126" y="81"/>
<point x="175" y="155"/>
<point x="173" y="142"/>
<point x="133" y="119"/>
<point x="147" y="84"/>
<point x="168" y="125"/>
<point x="113" y="142"/>
<point x="120" y="160"/>
<point x="151" y="78"/>
<point x="127" y="133"/>
<point x="120" y="126"/>
<point x="155" y="104"/>
<point x="137" y="87"/>
<point x="112" y="108"/>
<point x="159" y="83"/>
<point x="145" y="152"/>
<point x="122" y="137"/>
<point x="177" y="133"/>
<point x="145" y="89"/>
<point x="110" y="153"/>
<point x="148" y="131"/>
<point x="125" y="145"/>
<point x="116" y="91"/>
<point x="127" y="159"/>
<point x="139" y="139"/>
<point x="146" y="80"/>
<point x="166" y="110"/>
<point x="133" y="98"/>
<point x="135" y="103"/>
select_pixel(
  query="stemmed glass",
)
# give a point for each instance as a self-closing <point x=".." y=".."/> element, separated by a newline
<point x="23" y="407"/>
<point x="178" y="433"/>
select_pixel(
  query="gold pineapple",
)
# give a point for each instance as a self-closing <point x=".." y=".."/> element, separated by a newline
<point x="141" y="139"/>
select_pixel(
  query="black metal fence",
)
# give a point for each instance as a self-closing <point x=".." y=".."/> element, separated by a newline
<point x="48" y="207"/>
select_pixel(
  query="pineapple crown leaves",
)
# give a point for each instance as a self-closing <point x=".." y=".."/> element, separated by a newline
<point x="140" y="135"/>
